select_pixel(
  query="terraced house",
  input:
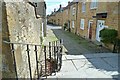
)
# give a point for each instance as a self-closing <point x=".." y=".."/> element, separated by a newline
<point x="87" y="18"/>
<point x="93" y="16"/>
<point x="56" y="17"/>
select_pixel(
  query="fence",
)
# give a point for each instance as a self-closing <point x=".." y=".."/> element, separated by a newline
<point x="49" y="63"/>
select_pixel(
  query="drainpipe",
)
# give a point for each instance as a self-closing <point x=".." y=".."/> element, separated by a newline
<point x="76" y="17"/>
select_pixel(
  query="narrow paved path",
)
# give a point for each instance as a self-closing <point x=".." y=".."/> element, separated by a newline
<point x="70" y="44"/>
<point x="81" y="62"/>
<point x="76" y="45"/>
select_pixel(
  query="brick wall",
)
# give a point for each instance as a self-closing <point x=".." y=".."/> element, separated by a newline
<point x="73" y="17"/>
<point x="112" y="19"/>
<point x="87" y="16"/>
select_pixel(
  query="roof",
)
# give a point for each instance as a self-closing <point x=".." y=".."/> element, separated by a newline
<point x="63" y="8"/>
<point x="71" y="3"/>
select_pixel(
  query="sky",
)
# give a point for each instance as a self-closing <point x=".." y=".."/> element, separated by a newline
<point x="51" y="4"/>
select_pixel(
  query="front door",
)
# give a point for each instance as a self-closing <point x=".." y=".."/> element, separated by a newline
<point x="90" y="30"/>
<point x="69" y="25"/>
<point x="100" y="26"/>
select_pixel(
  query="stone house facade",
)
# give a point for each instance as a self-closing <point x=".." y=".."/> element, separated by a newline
<point x="94" y="16"/>
<point x="56" y="17"/>
<point x="73" y="16"/>
<point x="90" y="17"/>
<point x="24" y="23"/>
<point x="65" y="15"/>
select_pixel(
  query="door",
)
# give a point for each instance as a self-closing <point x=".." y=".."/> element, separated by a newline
<point x="100" y="26"/>
<point x="90" y="29"/>
<point x="69" y="25"/>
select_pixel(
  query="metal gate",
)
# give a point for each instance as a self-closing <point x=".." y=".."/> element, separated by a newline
<point x="49" y="63"/>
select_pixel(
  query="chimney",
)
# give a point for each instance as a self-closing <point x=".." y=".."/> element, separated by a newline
<point x="54" y="9"/>
<point x="60" y="5"/>
<point x="68" y="2"/>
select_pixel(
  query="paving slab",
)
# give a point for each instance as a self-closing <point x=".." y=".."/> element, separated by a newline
<point x="78" y="66"/>
<point x="69" y="57"/>
<point x="111" y="61"/>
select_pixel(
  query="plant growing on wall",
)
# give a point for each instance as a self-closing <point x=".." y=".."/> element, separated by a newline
<point x="108" y="35"/>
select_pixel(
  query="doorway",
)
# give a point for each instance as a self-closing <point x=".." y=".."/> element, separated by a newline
<point x="90" y="29"/>
<point x="100" y="26"/>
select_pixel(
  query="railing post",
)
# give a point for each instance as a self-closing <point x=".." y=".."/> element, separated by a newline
<point x="29" y="61"/>
<point x="45" y="61"/>
<point x="50" y="50"/>
<point x="12" y="50"/>
<point x="37" y="62"/>
<point x="50" y="57"/>
<point x="54" y="57"/>
<point x="61" y="50"/>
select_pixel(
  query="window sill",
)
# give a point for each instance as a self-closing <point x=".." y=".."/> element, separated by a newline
<point x="93" y="8"/>
<point x="73" y="27"/>
<point x="83" y="11"/>
<point x="81" y="28"/>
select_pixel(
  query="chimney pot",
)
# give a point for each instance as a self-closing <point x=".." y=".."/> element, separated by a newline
<point x="54" y="9"/>
<point x="60" y="5"/>
<point x="68" y="2"/>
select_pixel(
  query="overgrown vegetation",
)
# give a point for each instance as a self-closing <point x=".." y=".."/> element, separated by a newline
<point x="108" y="35"/>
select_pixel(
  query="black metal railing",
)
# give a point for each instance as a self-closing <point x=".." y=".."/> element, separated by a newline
<point x="53" y="58"/>
<point x="51" y="63"/>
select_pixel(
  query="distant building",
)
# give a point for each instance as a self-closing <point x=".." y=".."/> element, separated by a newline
<point x="56" y="17"/>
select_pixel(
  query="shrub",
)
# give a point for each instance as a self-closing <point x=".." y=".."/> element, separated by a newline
<point x="108" y="35"/>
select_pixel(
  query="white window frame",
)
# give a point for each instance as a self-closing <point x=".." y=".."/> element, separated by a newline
<point x="82" y="21"/>
<point x="73" y="24"/>
<point x="83" y="7"/>
<point x="94" y="4"/>
<point x="73" y="11"/>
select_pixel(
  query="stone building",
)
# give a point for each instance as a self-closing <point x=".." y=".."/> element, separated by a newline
<point x="73" y="16"/>
<point x="51" y="19"/>
<point x="24" y="23"/>
<point x="65" y="15"/>
<point x="93" y="16"/>
<point x="56" y="17"/>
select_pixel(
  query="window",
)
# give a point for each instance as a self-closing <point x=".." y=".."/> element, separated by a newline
<point x="82" y="24"/>
<point x="83" y="7"/>
<point x="67" y="12"/>
<point x="73" y="11"/>
<point x="94" y="4"/>
<point x="73" y="24"/>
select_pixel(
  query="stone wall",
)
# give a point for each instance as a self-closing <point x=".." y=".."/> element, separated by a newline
<point x="23" y="27"/>
<point x="7" y="64"/>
